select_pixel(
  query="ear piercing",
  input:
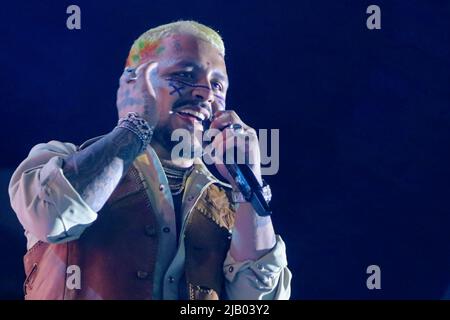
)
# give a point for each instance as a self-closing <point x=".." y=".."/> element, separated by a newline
<point x="132" y="76"/>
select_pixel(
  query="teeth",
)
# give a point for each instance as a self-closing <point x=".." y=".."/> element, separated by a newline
<point x="193" y="113"/>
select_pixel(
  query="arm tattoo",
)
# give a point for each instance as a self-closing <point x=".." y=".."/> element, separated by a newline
<point x="96" y="171"/>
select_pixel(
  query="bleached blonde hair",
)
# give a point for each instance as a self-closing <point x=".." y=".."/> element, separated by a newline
<point x="150" y="39"/>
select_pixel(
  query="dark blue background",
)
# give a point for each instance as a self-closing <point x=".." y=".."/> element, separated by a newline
<point x="363" y="118"/>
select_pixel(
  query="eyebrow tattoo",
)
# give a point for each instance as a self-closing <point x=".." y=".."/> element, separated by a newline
<point x="190" y="64"/>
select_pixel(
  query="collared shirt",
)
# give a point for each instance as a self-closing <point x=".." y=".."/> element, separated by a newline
<point x="51" y="210"/>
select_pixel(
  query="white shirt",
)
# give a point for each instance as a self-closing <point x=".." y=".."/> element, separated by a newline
<point x="51" y="210"/>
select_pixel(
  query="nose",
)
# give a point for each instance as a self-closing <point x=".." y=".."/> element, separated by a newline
<point x="203" y="93"/>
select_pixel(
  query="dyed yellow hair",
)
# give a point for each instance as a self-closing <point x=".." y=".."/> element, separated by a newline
<point x="149" y="40"/>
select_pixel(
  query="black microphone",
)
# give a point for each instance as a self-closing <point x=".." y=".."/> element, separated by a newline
<point x="249" y="186"/>
<point x="245" y="179"/>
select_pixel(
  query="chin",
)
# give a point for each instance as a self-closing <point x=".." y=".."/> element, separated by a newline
<point x="185" y="142"/>
<point x="196" y="129"/>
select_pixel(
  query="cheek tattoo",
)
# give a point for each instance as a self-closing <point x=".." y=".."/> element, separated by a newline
<point x="220" y="100"/>
<point x="178" y="86"/>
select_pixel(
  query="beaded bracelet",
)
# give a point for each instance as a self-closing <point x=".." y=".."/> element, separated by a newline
<point x="134" y="123"/>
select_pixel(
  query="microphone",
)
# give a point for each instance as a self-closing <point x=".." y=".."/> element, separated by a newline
<point x="245" y="179"/>
<point x="250" y="188"/>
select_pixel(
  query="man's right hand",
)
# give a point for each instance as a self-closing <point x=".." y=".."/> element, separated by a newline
<point x="136" y="93"/>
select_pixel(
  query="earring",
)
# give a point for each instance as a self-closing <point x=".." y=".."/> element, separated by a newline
<point x="132" y="76"/>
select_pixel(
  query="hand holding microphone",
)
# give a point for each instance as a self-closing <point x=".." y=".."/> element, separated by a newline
<point x="245" y="177"/>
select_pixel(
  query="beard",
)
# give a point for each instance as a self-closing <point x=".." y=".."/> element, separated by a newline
<point x="179" y="142"/>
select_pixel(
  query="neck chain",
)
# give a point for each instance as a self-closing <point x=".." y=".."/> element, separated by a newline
<point x="176" y="176"/>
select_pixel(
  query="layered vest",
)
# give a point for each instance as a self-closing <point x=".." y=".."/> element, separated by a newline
<point x="116" y="256"/>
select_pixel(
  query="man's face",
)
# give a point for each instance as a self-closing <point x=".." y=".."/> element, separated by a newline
<point x="190" y="84"/>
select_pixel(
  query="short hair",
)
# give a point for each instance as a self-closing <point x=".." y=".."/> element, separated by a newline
<point x="149" y="40"/>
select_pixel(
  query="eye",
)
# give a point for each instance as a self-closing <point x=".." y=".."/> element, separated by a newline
<point x="217" y="85"/>
<point x="184" y="74"/>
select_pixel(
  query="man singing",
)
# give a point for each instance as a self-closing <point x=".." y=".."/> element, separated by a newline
<point x="123" y="217"/>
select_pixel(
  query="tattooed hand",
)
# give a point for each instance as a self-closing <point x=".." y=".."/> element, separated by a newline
<point x="136" y="94"/>
<point x="246" y="144"/>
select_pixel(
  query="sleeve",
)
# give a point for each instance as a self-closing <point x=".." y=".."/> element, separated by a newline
<point x="46" y="204"/>
<point x="268" y="278"/>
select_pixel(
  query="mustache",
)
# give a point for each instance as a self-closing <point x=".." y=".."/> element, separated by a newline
<point x="189" y="102"/>
<point x="181" y="103"/>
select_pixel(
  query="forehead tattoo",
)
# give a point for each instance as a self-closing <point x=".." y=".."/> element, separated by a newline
<point x="160" y="49"/>
<point x="177" y="46"/>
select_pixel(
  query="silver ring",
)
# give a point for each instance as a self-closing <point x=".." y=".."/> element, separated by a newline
<point x="237" y="128"/>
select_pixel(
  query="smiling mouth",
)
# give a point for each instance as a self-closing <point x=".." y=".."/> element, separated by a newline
<point x="191" y="114"/>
